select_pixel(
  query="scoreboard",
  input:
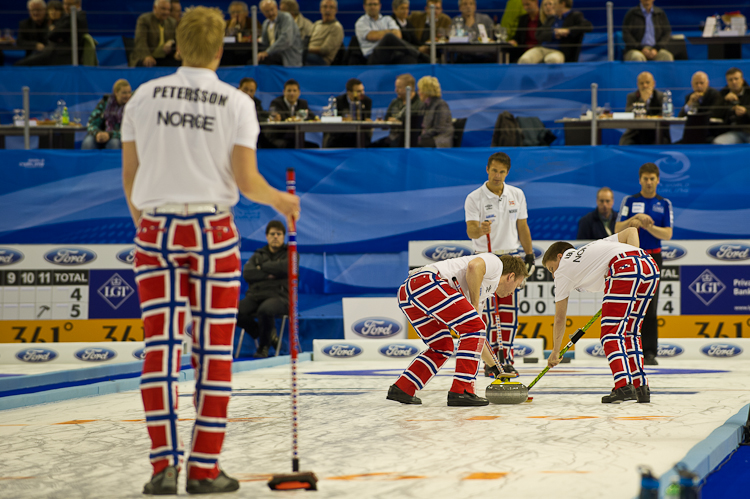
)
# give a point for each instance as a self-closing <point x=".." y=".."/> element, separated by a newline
<point x="53" y="293"/>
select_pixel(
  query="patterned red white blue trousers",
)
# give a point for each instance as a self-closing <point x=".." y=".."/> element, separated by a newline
<point x="187" y="264"/>
<point x="433" y="307"/>
<point x="508" y="312"/>
<point x="629" y="286"/>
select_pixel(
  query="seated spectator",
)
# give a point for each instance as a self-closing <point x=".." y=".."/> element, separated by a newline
<point x="525" y="36"/>
<point x="560" y="36"/>
<point x="646" y="31"/>
<point x="327" y="36"/>
<point x="379" y="38"/>
<point x="513" y="11"/>
<point x="421" y="22"/>
<point x="653" y="99"/>
<point x="303" y="24"/>
<point x="599" y="223"/>
<point x="703" y="98"/>
<point x="547" y="11"/>
<point x="240" y="22"/>
<point x="437" y="122"/>
<point x="155" y="37"/>
<point x="176" y="10"/>
<point x="58" y="49"/>
<point x="286" y="108"/>
<point x="281" y="39"/>
<point x="104" y="123"/>
<point x="55" y="11"/>
<point x="268" y="295"/>
<point x="401" y="16"/>
<point x="470" y="19"/>
<point x="249" y="86"/>
<point x="397" y="112"/>
<point x="32" y="32"/>
<point x="352" y="105"/>
<point x="734" y="109"/>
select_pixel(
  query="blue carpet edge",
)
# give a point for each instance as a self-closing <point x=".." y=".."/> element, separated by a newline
<point x="122" y="385"/>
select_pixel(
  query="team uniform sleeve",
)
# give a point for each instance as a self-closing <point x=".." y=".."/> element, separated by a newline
<point x="523" y="212"/>
<point x="248" y="128"/>
<point x="493" y="265"/>
<point x="624" y="210"/>
<point x="612" y="238"/>
<point x="563" y="287"/>
<point x="471" y="209"/>
<point x="669" y="215"/>
<point x="127" y="126"/>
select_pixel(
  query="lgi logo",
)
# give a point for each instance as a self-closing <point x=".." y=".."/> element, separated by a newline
<point x="442" y="252"/>
<point x="342" y="350"/>
<point x="376" y="327"/>
<point x="36" y="355"/>
<point x="70" y="256"/>
<point x="95" y="354"/>
<point x="398" y="350"/>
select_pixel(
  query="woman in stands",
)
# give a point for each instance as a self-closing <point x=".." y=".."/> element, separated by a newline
<point x="104" y="122"/>
<point x="437" y="124"/>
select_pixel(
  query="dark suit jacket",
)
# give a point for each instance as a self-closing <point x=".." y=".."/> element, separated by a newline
<point x="642" y="137"/>
<point x="60" y="34"/>
<point x="30" y="33"/>
<point x="522" y="32"/>
<point x="726" y="111"/>
<point x="634" y="27"/>
<point x="284" y="137"/>
<point x="349" y="139"/>
<point x="421" y="29"/>
<point x="570" y="46"/>
<point x="710" y="103"/>
<point x="408" y="33"/>
<point x="590" y="226"/>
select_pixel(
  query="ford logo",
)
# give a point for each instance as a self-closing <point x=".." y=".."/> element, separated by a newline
<point x="730" y="251"/>
<point x="398" y="350"/>
<point x="521" y="350"/>
<point x="139" y="354"/>
<point x="445" y="251"/>
<point x="721" y="350"/>
<point x="70" y="256"/>
<point x="669" y="350"/>
<point x="126" y="256"/>
<point x="376" y="327"/>
<point x="342" y="350"/>
<point x="95" y="354"/>
<point x="10" y="256"/>
<point x="36" y="355"/>
<point x="671" y="252"/>
<point x="596" y="350"/>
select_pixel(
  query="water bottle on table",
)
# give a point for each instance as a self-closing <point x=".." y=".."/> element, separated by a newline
<point x="666" y="105"/>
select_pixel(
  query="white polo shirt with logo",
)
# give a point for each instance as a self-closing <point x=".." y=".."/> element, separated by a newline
<point x="585" y="268"/>
<point x="457" y="267"/>
<point x="185" y="126"/>
<point x="504" y="211"/>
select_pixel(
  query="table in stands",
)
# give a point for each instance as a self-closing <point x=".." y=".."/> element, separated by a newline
<point x="499" y="49"/>
<point x="302" y="127"/>
<point x="578" y="130"/>
<point x="50" y="136"/>
<point x="722" y="47"/>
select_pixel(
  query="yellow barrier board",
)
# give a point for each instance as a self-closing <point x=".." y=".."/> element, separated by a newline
<point x="671" y="326"/>
<point x="90" y="330"/>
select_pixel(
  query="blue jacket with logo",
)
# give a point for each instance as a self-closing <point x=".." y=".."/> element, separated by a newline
<point x="657" y="207"/>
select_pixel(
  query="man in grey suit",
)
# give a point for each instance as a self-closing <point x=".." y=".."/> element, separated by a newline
<point x="280" y="36"/>
<point x="652" y="98"/>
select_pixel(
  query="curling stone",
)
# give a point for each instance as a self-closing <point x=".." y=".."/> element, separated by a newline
<point x="506" y="392"/>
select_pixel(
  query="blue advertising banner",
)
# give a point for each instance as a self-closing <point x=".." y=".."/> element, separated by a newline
<point x="716" y="290"/>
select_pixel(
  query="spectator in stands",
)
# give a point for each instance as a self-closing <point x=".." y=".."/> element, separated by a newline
<point x="287" y="107"/>
<point x="352" y="105"/>
<point x="652" y="98"/>
<point x="471" y="19"/>
<point x="513" y="11"/>
<point x="560" y="36"/>
<point x="55" y="11"/>
<point x="155" y="37"/>
<point x="304" y="24"/>
<point x="547" y="10"/>
<point x="32" y="32"/>
<point x="599" y="223"/>
<point x="249" y="86"/>
<point x="327" y="36"/>
<point x="176" y="11"/>
<point x="646" y="31"/>
<point x="525" y="36"/>
<point x="58" y="49"/>
<point x="703" y="99"/>
<point x="380" y="40"/>
<point x="734" y="109"/>
<point x="239" y="21"/>
<point x="397" y="112"/>
<point x="401" y="16"/>
<point x="268" y="295"/>
<point x="104" y="123"/>
<point x="281" y="38"/>
<point x="421" y="22"/>
<point x="437" y="122"/>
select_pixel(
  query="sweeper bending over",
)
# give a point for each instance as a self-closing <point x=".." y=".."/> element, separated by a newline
<point x="434" y="307"/>
<point x="629" y="278"/>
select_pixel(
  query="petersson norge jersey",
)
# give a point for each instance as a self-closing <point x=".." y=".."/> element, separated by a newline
<point x="585" y="268"/>
<point x="185" y="126"/>
<point x="504" y="212"/>
<point x="657" y="207"/>
<point x="456" y="267"/>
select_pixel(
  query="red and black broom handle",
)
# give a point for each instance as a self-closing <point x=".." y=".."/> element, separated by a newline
<point x="291" y="188"/>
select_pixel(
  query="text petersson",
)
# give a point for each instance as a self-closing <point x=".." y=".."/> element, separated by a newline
<point x="178" y="119"/>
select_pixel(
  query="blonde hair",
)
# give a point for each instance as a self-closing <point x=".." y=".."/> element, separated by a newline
<point x="119" y="84"/>
<point x="200" y="35"/>
<point x="514" y="265"/>
<point x="429" y="86"/>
